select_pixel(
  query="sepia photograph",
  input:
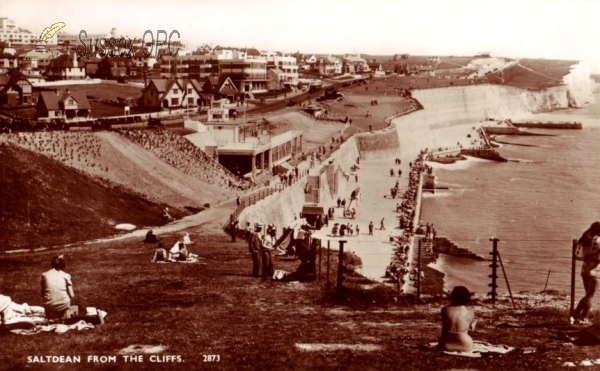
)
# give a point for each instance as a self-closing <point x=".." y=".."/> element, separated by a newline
<point x="202" y="185"/>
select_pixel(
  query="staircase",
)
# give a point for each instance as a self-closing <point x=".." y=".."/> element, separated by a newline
<point x="264" y="178"/>
<point x="311" y="190"/>
<point x="427" y="255"/>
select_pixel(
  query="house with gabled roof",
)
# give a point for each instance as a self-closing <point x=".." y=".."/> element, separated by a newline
<point x="65" y="67"/>
<point x="355" y="64"/>
<point x="162" y="93"/>
<point x="221" y="88"/>
<point x="329" y="65"/>
<point x="192" y="93"/>
<point x="63" y="105"/>
<point x="15" y="89"/>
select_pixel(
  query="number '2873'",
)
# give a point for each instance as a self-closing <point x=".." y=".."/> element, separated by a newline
<point x="212" y="358"/>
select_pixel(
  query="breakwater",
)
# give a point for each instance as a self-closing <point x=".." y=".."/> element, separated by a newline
<point x="511" y="131"/>
<point x="484" y="153"/>
<point x="549" y="125"/>
<point x="443" y="245"/>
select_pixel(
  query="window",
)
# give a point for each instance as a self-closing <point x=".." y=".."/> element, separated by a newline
<point x="190" y="100"/>
<point x="175" y="91"/>
<point x="189" y="90"/>
<point x="174" y="101"/>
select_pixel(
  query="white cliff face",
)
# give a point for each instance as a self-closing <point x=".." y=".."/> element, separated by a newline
<point x="456" y="105"/>
<point x="580" y="84"/>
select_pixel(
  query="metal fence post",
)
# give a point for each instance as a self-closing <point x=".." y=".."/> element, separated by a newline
<point x="419" y="270"/>
<point x="494" y="265"/>
<point x="573" y="268"/>
<point x="340" y="277"/>
<point x="328" y="260"/>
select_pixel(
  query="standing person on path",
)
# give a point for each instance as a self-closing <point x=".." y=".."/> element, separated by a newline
<point x="268" y="246"/>
<point x="391" y="172"/>
<point x="255" y="249"/>
<point x="382" y="225"/>
<point x="234" y="227"/>
<point x="237" y="200"/>
<point x="370" y="228"/>
<point x="399" y="172"/>
<point x="590" y="272"/>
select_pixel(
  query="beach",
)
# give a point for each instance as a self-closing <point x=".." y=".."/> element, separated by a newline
<point x="427" y="130"/>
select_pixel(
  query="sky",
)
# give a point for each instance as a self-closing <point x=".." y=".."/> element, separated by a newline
<point x="550" y="29"/>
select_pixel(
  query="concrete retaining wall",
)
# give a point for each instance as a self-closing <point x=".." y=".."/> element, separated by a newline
<point x="379" y="144"/>
<point x="280" y="208"/>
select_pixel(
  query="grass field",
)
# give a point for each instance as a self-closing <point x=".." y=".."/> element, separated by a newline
<point x="216" y="308"/>
<point x="45" y="203"/>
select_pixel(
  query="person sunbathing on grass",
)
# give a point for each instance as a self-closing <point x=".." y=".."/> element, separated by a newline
<point x="178" y="252"/>
<point x="160" y="255"/>
<point x="457" y="320"/>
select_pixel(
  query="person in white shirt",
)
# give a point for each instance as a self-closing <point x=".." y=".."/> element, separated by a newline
<point x="268" y="244"/>
<point x="57" y="290"/>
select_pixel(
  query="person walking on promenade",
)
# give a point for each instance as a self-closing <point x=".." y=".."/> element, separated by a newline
<point x="382" y="225"/>
<point x="590" y="272"/>
<point x="237" y="200"/>
<point x="256" y="246"/>
<point x="399" y="172"/>
<point x="357" y="230"/>
<point x="370" y="228"/>
<point x="339" y="202"/>
<point x="391" y="172"/>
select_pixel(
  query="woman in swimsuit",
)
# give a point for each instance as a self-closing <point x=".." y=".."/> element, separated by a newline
<point x="590" y="271"/>
<point x="457" y="320"/>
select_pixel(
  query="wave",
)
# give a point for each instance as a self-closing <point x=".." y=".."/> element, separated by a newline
<point x="522" y="160"/>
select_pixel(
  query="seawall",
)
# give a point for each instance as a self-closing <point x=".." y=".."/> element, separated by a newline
<point x="280" y="208"/>
<point x="379" y="144"/>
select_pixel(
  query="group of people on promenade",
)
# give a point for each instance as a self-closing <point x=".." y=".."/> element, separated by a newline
<point x="399" y="267"/>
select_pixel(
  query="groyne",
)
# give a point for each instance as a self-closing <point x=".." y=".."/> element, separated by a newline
<point x="549" y="125"/>
<point x="490" y="130"/>
<point x="443" y="245"/>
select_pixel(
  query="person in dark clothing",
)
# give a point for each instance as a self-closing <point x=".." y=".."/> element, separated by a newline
<point x="150" y="237"/>
<point x="234" y="227"/>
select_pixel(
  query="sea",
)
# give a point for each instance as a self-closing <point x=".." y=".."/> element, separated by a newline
<point x="535" y="204"/>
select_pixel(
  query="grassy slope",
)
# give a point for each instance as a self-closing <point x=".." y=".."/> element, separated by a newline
<point x="46" y="203"/>
<point x="217" y="308"/>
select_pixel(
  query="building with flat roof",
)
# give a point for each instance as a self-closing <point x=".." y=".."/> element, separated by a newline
<point x="245" y="149"/>
<point x="14" y="35"/>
